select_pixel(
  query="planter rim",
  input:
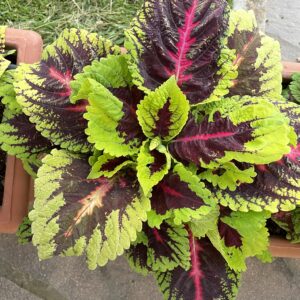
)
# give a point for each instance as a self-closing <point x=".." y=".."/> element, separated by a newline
<point x="289" y="68"/>
<point x="17" y="182"/>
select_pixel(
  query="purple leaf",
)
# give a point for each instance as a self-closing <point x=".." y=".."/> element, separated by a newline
<point x="19" y="136"/>
<point x="128" y="126"/>
<point x="208" y="277"/>
<point x="44" y="89"/>
<point x="208" y="141"/>
<point x="174" y="193"/>
<point x="180" y="38"/>
<point x="276" y="186"/>
<point x="84" y="210"/>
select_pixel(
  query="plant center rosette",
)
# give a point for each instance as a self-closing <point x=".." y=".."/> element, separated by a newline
<point x="175" y="153"/>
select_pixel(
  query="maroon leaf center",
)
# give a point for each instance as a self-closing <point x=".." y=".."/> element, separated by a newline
<point x="182" y="63"/>
<point x="159" y="161"/>
<point x="195" y="273"/>
<point x="163" y="122"/>
<point x="231" y="236"/>
<point x="173" y="193"/>
<point x="63" y="78"/>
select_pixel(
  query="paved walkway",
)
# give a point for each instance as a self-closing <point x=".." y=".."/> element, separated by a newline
<point x="23" y="277"/>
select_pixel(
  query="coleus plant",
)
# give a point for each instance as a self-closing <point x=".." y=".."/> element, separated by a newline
<point x="175" y="151"/>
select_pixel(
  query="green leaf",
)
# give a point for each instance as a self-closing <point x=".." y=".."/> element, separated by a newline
<point x="293" y="90"/>
<point x="208" y="277"/>
<point x="73" y="215"/>
<point x="24" y="233"/>
<point x="164" y="111"/>
<point x="137" y="254"/>
<point x="200" y="227"/>
<point x="227" y="175"/>
<point x="107" y="166"/>
<point x="111" y="71"/>
<point x="152" y="166"/>
<point x="168" y="247"/>
<point x="7" y="91"/>
<point x="32" y="164"/>
<point x="266" y="131"/>
<point x="4" y="63"/>
<point x="251" y="226"/>
<point x="104" y="115"/>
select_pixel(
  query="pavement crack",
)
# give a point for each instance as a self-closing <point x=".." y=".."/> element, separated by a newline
<point x="27" y="282"/>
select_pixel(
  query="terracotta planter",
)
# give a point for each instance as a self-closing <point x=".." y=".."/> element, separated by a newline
<point x="280" y="247"/>
<point x="17" y="182"/>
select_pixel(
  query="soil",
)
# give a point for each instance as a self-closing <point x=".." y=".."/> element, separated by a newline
<point x="2" y="163"/>
<point x="275" y="230"/>
<point x="13" y="59"/>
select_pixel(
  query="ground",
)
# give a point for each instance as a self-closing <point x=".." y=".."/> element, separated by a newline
<point x="106" y="17"/>
<point x="22" y="276"/>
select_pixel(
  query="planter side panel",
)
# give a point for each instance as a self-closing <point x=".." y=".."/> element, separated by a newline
<point x="17" y="187"/>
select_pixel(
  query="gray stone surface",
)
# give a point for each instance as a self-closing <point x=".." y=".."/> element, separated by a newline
<point x="23" y="276"/>
<point x="281" y="20"/>
<point x="10" y="290"/>
<point x="283" y="23"/>
<point x="69" y="278"/>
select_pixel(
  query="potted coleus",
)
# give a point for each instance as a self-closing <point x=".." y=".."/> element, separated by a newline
<point x="16" y="46"/>
<point x="176" y="153"/>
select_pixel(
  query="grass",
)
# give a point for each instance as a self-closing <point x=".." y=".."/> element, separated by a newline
<point x="49" y="17"/>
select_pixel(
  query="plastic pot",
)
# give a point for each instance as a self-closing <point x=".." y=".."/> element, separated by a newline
<point x="28" y="45"/>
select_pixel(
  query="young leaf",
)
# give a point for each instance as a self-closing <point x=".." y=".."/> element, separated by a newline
<point x="181" y="38"/>
<point x="164" y="112"/>
<point x="44" y="90"/>
<point x="107" y="166"/>
<point x="201" y="226"/>
<point x="152" y="166"/>
<point x="243" y="129"/>
<point x="180" y="195"/>
<point x="73" y="215"/>
<point x="240" y="235"/>
<point x="19" y="137"/>
<point x="111" y="71"/>
<point x="112" y="121"/>
<point x="209" y="276"/>
<point x="228" y="175"/>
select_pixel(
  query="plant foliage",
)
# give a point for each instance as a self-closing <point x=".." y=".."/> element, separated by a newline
<point x="175" y="152"/>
